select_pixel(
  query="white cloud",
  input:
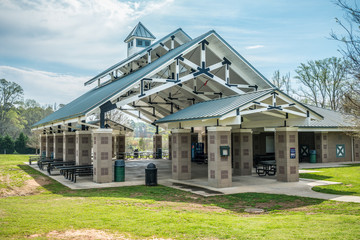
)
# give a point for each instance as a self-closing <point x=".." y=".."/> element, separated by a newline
<point x="46" y="87"/>
<point x="254" y="47"/>
<point x="82" y="33"/>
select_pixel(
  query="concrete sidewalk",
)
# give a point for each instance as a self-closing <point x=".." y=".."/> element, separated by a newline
<point x="135" y="175"/>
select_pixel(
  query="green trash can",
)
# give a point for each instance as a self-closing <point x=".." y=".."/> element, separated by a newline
<point x="119" y="171"/>
<point x="312" y="156"/>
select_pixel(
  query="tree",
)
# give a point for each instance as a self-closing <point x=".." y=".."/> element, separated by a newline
<point x="323" y="82"/>
<point x="351" y="51"/>
<point x="20" y="143"/>
<point x="282" y="82"/>
<point x="11" y="94"/>
<point x="8" y="145"/>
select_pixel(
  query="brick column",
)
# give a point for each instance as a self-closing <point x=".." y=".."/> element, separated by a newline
<point x="204" y="139"/>
<point x="69" y="146"/>
<point x="102" y="146"/>
<point x="49" y="144"/>
<point x="83" y="148"/>
<point x="286" y="143"/>
<point x="219" y="168"/>
<point x="321" y="145"/>
<point x="356" y="149"/>
<point x="242" y="151"/>
<point x="42" y="145"/>
<point x="181" y="154"/>
<point x="120" y="146"/>
<point x="157" y="143"/>
<point x="58" y="146"/>
<point x="170" y="146"/>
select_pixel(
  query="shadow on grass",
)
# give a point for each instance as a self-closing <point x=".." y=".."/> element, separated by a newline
<point x="324" y="189"/>
<point x="233" y="202"/>
<point x="315" y="176"/>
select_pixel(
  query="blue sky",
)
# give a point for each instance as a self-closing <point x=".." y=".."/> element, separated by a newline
<point x="52" y="47"/>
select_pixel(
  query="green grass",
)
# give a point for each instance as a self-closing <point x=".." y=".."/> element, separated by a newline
<point x="349" y="176"/>
<point x="161" y="212"/>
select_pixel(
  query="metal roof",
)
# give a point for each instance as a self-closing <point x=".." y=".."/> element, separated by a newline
<point x="332" y="119"/>
<point x="135" y="55"/>
<point x="99" y="95"/>
<point x="213" y="108"/>
<point x="140" y="31"/>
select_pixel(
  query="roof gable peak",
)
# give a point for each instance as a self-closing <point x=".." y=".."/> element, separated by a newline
<point x="140" y="31"/>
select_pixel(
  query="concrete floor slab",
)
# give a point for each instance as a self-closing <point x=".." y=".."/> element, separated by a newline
<point x="135" y="175"/>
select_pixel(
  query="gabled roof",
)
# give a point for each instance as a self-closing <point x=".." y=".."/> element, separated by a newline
<point x="213" y="108"/>
<point x="99" y="95"/>
<point x="134" y="56"/>
<point x="140" y="31"/>
<point x="332" y="119"/>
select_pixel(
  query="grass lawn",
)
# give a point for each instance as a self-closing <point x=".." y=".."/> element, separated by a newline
<point x="50" y="210"/>
<point x="349" y="176"/>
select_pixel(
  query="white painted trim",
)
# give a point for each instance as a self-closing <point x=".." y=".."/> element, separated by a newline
<point x="221" y="81"/>
<point x="102" y="130"/>
<point x="241" y="130"/>
<point x="215" y="66"/>
<point x="295" y="113"/>
<point x="190" y="64"/>
<point x="178" y="130"/>
<point x="286" y="129"/>
<point x="219" y="129"/>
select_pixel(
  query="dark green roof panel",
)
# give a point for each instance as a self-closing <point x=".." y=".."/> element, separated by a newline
<point x="99" y="95"/>
<point x="213" y="108"/>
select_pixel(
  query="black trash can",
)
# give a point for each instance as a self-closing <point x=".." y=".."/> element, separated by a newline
<point x="151" y="175"/>
<point x="119" y="171"/>
<point x="136" y="153"/>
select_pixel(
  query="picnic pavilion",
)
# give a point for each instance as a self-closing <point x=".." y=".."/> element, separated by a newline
<point x="202" y="90"/>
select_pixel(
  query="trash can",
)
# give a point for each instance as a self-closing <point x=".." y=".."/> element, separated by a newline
<point x="312" y="156"/>
<point x="151" y="175"/>
<point x="119" y="171"/>
<point x="136" y="153"/>
<point x="159" y="153"/>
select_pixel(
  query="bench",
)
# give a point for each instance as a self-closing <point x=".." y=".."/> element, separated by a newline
<point x="41" y="163"/>
<point x="70" y="172"/>
<point x="264" y="168"/>
<point x="33" y="158"/>
<point x="51" y="165"/>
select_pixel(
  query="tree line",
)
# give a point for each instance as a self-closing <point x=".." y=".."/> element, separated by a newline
<point x="16" y="118"/>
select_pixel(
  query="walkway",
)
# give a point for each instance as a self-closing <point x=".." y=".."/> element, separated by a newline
<point x="135" y="175"/>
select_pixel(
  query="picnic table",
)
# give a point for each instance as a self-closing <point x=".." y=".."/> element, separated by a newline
<point x="52" y="165"/>
<point x="70" y="172"/>
<point x="33" y="158"/>
<point x="267" y="167"/>
<point x="45" y="161"/>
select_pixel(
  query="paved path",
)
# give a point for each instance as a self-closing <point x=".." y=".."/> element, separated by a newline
<point x="135" y="175"/>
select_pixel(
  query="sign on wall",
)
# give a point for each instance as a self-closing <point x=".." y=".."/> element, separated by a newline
<point x="292" y="153"/>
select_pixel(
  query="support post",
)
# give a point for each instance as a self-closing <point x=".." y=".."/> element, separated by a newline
<point x="58" y="146"/>
<point x="102" y="147"/>
<point x="42" y="145"/>
<point x="356" y="148"/>
<point x="120" y="146"/>
<point x="170" y="146"/>
<point x="242" y="150"/>
<point x="49" y="145"/>
<point x="83" y="148"/>
<point x="286" y="154"/>
<point x="219" y="167"/>
<point x="69" y="146"/>
<point x="321" y="146"/>
<point x="181" y="154"/>
<point x="157" y="144"/>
